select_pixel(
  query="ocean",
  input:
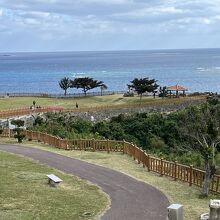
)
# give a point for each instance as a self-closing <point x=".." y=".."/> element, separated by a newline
<point x="196" y="69"/>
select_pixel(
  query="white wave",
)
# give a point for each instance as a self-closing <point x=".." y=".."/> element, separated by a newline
<point x="201" y="69"/>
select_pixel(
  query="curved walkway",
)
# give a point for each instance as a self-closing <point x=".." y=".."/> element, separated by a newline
<point x="130" y="199"/>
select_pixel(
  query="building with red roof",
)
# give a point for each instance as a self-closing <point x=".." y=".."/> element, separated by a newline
<point x="177" y="89"/>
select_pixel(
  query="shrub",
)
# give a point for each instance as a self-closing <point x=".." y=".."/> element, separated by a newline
<point x="128" y="94"/>
<point x="19" y="131"/>
<point x="158" y="145"/>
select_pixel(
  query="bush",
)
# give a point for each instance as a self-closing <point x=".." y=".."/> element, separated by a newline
<point x="19" y="131"/>
<point x="81" y="126"/>
<point x="128" y="94"/>
<point x="156" y="142"/>
<point x="45" y="95"/>
<point x="198" y="94"/>
<point x="213" y="99"/>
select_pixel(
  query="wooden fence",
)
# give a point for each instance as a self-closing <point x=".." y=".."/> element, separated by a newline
<point x="174" y="170"/>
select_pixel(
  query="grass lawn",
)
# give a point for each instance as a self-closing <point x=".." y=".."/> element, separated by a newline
<point x="25" y="194"/>
<point x="177" y="192"/>
<point x="83" y="102"/>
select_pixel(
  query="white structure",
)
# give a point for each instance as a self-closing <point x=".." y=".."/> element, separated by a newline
<point x="214" y="212"/>
<point x="204" y="216"/>
<point x="175" y="212"/>
<point x="53" y="180"/>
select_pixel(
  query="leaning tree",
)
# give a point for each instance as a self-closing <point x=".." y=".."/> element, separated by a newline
<point x="86" y="84"/>
<point x="64" y="84"/>
<point x="143" y="85"/>
<point x="199" y="125"/>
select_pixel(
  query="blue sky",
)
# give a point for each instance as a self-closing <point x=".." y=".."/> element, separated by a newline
<point x="74" y="25"/>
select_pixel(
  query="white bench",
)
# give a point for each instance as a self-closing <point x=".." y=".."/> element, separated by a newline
<point x="53" y="180"/>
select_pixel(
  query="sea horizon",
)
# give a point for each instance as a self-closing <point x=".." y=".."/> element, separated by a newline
<point x="198" y="69"/>
<point x="114" y="50"/>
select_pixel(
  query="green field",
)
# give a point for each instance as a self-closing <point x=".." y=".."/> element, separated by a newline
<point x="25" y="193"/>
<point x="83" y="102"/>
<point x="177" y="192"/>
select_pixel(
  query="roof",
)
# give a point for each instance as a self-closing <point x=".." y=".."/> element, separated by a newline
<point x="177" y="88"/>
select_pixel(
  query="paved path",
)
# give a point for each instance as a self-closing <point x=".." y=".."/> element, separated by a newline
<point x="130" y="199"/>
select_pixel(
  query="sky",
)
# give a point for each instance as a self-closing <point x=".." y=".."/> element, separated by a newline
<point x="86" y="25"/>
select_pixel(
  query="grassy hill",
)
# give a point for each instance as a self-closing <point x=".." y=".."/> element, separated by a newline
<point x="87" y="102"/>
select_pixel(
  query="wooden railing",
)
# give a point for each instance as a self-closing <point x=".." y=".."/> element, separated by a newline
<point x="174" y="170"/>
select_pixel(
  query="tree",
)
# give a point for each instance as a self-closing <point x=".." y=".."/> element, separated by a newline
<point x="163" y="92"/>
<point x="19" y="131"/>
<point x="103" y="87"/>
<point x="200" y="125"/>
<point x="143" y="85"/>
<point x="64" y="84"/>
<point x="86" y="84"/>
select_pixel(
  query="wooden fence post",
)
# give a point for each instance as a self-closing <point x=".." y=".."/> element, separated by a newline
<point x="80" y="144"/>
<point x="124" y="145"/>
<point x="138" y="154"/>
<point x="108" y="150"/>
<point x="66" y="145"/>
<point x="161" y="167"/>
<point x="175" y="170"/>
<point x="38" y="136"/>
<point x="148" y="162"/>
<point x="190" y="175"/>
<point x="93" y="144"/>
<point x="143" y="158"/>
<point x="133" y="150"/>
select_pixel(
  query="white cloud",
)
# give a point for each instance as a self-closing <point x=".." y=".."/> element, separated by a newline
<point x="84" y="21"/>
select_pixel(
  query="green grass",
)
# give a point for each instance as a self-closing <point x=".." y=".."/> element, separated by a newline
<point x="83" y="102"/>
<point x="177" y="192"/>
<point x="25" y="194"/>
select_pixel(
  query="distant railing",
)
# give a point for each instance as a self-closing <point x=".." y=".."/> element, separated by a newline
<point x="174" y="170"/>
<point x="59" y="95"/>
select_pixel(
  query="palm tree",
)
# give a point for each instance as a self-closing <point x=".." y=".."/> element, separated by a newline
<point x="64" y="84"/>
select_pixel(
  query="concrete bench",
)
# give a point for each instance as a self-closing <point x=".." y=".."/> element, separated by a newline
<point x="53" y="180"/>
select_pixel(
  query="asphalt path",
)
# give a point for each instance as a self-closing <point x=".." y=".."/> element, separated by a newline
<point x="130" y="199"/>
